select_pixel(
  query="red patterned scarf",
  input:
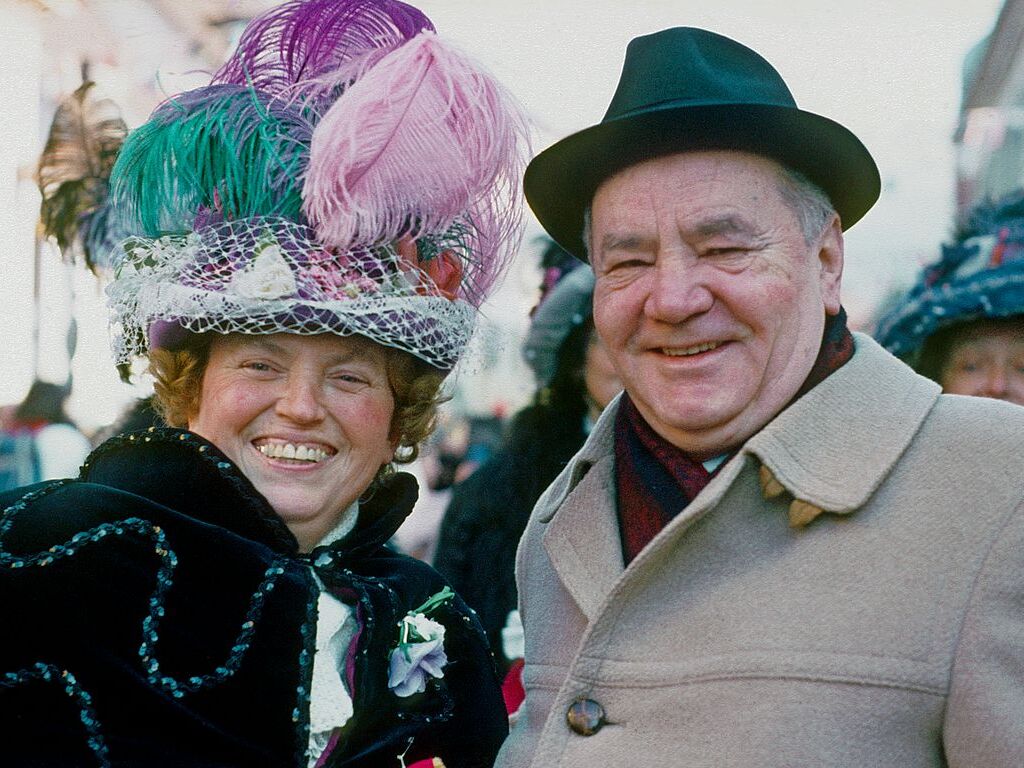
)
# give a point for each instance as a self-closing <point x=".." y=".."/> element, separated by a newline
<point x="655" y="480"/>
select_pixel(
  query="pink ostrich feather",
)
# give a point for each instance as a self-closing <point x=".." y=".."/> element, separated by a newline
<point x="422" y="141"/>
<point x="304" y="39"/>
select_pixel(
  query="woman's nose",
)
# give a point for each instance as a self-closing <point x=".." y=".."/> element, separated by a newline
<point x="300" y="400"/>
<point x="996" y="381"/>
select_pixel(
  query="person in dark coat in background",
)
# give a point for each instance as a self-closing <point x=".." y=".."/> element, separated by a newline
<point x="489" y="510"/>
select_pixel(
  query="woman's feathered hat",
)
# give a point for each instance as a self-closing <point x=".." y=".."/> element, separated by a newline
<point x="346" y="171"/>
<point x="979" y="275"/>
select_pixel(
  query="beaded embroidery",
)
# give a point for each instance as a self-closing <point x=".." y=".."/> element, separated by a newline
<point x="49" y="673"/>
<point x="151" y="622"/>
<point x="300" y="715"/>
<point x="210" y="455"/>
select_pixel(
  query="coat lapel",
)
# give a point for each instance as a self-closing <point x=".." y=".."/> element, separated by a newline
<point x="582" y="533"/>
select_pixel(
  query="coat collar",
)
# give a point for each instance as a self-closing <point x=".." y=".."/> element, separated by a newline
<point x="184" y="472"/>
<point x="832" y="448"/>
<point x="836" y="444"/>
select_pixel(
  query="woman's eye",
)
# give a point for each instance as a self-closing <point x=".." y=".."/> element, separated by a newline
<point x="349" y="378"/>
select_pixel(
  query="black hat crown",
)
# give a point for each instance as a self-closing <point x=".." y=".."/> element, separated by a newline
<point x="687" y="89"/>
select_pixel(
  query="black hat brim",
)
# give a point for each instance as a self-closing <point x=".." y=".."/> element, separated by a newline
<point x="561" y="181"/>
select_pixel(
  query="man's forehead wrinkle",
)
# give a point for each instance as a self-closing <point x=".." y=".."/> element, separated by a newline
<point x="727" y="224"/>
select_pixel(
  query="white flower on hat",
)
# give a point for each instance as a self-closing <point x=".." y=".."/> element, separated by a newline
<point x="267" y="277"/>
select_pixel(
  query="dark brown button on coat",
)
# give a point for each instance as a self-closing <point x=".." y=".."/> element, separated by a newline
<point x="585" y="717"/>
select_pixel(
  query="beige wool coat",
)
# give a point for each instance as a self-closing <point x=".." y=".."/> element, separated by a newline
<point x="887" y="631"/>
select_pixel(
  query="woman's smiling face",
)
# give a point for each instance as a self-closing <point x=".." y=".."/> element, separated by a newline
<point x="306" y="418"/>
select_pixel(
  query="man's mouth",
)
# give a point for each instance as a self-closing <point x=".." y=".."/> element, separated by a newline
<point x="311" y="452"/>
<point x="688" y="351"/>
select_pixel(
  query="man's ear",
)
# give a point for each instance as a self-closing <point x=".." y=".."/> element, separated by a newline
<point x="830" y="262"/>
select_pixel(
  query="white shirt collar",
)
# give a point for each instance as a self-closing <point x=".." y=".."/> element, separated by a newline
<point x="345" y="524"/>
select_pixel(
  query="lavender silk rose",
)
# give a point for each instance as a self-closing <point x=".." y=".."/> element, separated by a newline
<point x="419" y="654"/>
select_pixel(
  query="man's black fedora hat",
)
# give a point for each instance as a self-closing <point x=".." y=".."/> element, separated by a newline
<point x="685" y="89"/>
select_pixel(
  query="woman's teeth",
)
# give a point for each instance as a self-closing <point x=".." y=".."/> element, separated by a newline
<point x="289" y="451"/>
<point x="681" y="352"/>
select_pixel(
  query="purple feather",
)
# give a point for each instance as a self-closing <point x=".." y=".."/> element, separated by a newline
<point x="306" y="39"/>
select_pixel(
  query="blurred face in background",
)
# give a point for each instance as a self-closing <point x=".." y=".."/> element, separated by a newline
<point x="599" y="376"/>
<point x="986" y="359"/>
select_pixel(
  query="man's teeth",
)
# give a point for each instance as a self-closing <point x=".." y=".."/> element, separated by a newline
<point x="682" y="352"/>
<point x="289" y="451"/>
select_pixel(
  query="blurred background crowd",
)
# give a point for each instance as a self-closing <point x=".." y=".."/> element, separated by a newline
<point x="935" y="90"/>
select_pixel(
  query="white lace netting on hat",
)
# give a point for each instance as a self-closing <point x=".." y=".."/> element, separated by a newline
<point x="269" y="275"/>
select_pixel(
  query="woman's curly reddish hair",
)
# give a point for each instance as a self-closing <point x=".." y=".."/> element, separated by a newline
<point x="415" y="386"/>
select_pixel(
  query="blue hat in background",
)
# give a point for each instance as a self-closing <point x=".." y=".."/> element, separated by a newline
<point x="979" y="275"/>
<point x="564" y="305"/>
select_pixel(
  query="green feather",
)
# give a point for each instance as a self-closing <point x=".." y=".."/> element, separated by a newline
<point x="221" y="148"/>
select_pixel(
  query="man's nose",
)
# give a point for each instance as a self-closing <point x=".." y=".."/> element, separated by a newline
<point x="678" y="290"/>
<point x="300" y="401"/>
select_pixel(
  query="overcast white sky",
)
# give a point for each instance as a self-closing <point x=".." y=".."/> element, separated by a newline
<point x="889" y="71"/>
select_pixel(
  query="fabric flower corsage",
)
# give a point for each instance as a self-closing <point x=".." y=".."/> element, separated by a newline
<point x="267" y="277"/>
<point x="419" y="654"/>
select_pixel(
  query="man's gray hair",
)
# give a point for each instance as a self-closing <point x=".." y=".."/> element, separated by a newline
<point x="807" y="200"/>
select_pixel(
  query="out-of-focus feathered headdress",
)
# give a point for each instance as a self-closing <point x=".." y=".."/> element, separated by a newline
<point x="567" y="292"/>
<point x="979" y="275"/>
<point x="74" y="169"/>
<point x="346" y="171"/>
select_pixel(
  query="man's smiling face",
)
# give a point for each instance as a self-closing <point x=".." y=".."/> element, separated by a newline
<point x="709" y="297"/>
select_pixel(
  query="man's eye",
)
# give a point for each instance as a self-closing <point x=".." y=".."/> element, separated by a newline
<point x="257" y="366"/>
<point x="626" y="264"/>
<point x="730" y="250"/>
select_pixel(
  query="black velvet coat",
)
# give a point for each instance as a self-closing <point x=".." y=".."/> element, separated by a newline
<point x="156" y="612"/>
<point x="476" y="549"/>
